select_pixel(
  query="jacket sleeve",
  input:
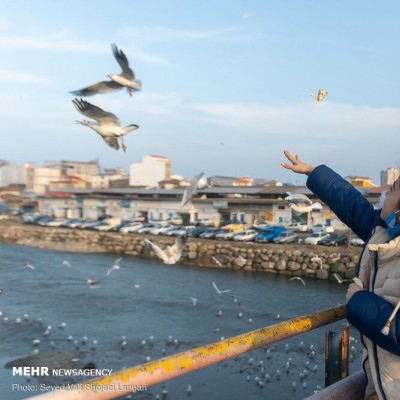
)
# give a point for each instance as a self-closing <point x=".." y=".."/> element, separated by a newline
<point x="369" y="313"/>
<point x="345" y="201"/>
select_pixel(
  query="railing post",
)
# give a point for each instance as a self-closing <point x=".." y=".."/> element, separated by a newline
<point x="336" y="356"/>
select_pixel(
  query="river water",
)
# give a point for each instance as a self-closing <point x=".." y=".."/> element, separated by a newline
<point x="146" y="300"/>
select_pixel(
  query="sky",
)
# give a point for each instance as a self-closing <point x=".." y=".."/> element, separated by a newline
<point x="227" y="85"/>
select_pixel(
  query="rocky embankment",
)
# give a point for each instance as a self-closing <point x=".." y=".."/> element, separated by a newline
<point x="296" y="260"/>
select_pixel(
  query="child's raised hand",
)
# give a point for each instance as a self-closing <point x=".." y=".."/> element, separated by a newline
<point x="296" y="164"/>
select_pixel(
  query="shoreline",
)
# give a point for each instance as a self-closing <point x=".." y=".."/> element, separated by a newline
<point x="287" y="259"/>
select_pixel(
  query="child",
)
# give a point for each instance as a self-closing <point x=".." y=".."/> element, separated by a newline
<point x="369" y="308"/>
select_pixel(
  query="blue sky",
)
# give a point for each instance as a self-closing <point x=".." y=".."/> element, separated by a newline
<point x="226" y="84"/>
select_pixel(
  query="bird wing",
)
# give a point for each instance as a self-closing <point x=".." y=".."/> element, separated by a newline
<point x="215" y="287"/>
<point x="91" y="111"/>
<point x="156" y="249"/>
<point x="112" y="141"/>
<point x="187" y="195"/>
<point x="176" y="249"/>
<point x="98" y="87"/>
<point x="123" y="62"/>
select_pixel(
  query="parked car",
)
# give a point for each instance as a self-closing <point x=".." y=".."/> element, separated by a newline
<point x="322" y="228"/>
<point x="210" y="233"/>
<point x="130" y="227"/>
<point x="204" y="222"/>
<point x="356" y="241"/>
<point x="286" y="237"/>
<point x="269" y="234"/>
<point x="146" y="228"/>
<point x="315" y="238"/>
<point x="226" y="234"/>
<point x="197" y="231"/>
<point x="334" y="239"/>
<point x="56" y="222"/>
<point x="297" y="227"/>
<point x="246" y="235"/>
<point x="180" y="230"/>
<point x="159" y="230"/>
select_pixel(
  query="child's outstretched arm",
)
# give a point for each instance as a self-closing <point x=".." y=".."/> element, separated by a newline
<point x="344" y="200"/>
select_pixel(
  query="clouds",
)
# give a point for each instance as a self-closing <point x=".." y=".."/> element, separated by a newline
<point x="22" y="77"/>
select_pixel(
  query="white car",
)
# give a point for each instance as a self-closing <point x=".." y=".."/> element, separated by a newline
<point x="322" y="228"/>
<point x="159" y="230"/>
<point x="180" y="230"/>
<point x="315" y="238"/>
<point x="246" y="235"/>
<point x="131" y="227"/>
<point x="297" y="227"/>
<point x="356" y="241"/>
<point x="226" y="234"/>
<point x="285" y="237"/>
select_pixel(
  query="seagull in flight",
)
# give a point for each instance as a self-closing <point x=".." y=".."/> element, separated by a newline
<point x="125" y="79"/>
<point x="172" y="254"/>
<point x="29" y="265"/>
<point x="217" y="261"/>
<point x="187" y="195"/>
<point x="114" y="267"/>
<point x="339" y="279"/>
<point x="218" y="290"/>
<point x="66" y="263"/>
<point x="301" y="203"/>
<point x="107" y="126"/>
<point x="299" y="279"/>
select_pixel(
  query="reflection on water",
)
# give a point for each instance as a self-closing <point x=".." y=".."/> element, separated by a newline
<point x="150" y="304"/>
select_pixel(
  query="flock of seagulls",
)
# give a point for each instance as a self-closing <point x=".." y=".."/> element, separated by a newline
<point x="107" y="124"/>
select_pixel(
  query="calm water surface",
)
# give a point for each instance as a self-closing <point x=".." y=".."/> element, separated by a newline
<point x="159" y="306"/>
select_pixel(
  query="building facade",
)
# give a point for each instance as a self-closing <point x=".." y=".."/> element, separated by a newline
<point x="150" y="171"/>
<point x="10" y="173"/>
<point x="389" y="175"/>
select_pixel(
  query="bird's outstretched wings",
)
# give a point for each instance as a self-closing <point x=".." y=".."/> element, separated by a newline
<point x="123" y="62"/>
<point x="91" y="111"/>
<point x="98" y="87"/>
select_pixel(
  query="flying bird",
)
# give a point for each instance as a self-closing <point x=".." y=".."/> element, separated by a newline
<point x="171" y="254"/>
<point x="114" y="267"/>
<point x="29" y="265"/>
<point x="339" y="279"/>
<point x="194" y="300"/>
<point x="322" y="93"/>
<point x="187" y="195"/>
<point x="301" y="203"/>
<point x="125" y="79"/>
<point x="218" y="290"/>
<point x="108" y="125"/>
<point x="299" y="279"/>
<point x="91" y="282"/>
<point x="66" y="263"/>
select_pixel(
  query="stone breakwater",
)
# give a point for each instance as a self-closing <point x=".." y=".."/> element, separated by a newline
<point x="294" y="260"/>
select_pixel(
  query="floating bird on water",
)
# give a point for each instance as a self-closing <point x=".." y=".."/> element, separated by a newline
<point x="108" y="125"/>
<point x="171" y="254"/>
<point x="125" y="79"/>
<point x="218" y="290"/>
<point x="194" y="300"/>
<point x="299" y="279"/>
<point x="301" y="203"/>
<point x="91" y="282"/>
<point x="66" y="263"/>
<point x="115" y="266"/>
<point x="188" y="193"/>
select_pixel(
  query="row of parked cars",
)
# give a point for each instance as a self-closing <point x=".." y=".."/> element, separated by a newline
<point x="263" y="233"/>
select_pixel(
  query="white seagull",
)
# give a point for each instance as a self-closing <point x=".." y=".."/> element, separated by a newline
<point x="66" y="263"/>
<point x="339" y="279"/>
<point x="91" y="282"/>
<point x="318" y="260"/>
<point x="299" y="279"/>
<point x="194" y="300"/>
<point x="218" y="290"/>
<point x="29" y="265"/>
<point x="125" y="79"/>
<point x="171" y="254"/>
<point x="217" y="261"/>
<point x="115" y="266"/>
<point x="301" y="203"/>
<point x="108" y="125"/>
<point x="187" y="195"/>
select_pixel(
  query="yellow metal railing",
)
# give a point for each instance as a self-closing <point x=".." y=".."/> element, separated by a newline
<point x="144" y="375"/>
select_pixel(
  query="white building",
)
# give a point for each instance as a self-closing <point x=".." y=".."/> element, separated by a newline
<point x="150" y="171"/>
<point x="38" y="179"/>
<point x="389" y="175"/>
<point x="10" y="173"/>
